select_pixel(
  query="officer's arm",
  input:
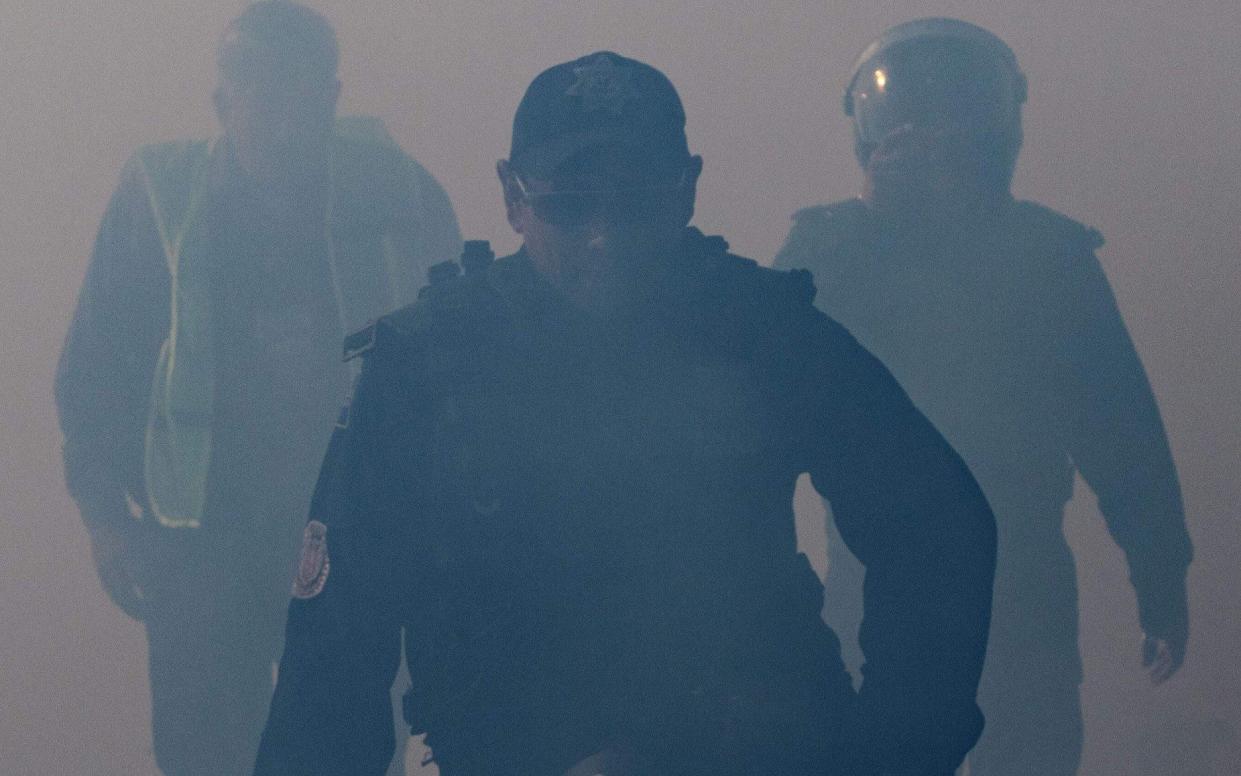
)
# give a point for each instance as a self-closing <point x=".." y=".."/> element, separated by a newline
<point x="911" y="512"/>
<point x="104" y="372"/>
<point x="1117" y="441"/>
<point x="331" y="712"/>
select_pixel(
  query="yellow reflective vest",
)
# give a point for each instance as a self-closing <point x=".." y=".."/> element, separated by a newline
<point x="371" y="270"/>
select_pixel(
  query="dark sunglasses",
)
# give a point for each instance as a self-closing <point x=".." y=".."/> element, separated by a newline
<point x="577" y="207"/>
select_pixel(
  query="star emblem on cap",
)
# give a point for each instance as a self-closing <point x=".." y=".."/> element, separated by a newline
<point x="602" y="84"/>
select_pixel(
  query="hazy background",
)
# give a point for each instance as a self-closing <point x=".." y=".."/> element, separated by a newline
<point x="1133" y="126"/>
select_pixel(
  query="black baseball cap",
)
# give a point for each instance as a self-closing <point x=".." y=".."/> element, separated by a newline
<point x="599" y="99"/>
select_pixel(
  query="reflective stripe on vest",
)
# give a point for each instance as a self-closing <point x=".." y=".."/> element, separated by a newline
<point x="178" y="443"/>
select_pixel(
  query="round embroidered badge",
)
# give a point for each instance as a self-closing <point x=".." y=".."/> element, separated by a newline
<point x="314" y="564"/>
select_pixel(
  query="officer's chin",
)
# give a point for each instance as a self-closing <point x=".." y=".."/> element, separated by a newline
<point x="915" y="170"/>
<point x="622" y="250"/>
<point x="910" y="146"/>
<point x="897" y="183"/>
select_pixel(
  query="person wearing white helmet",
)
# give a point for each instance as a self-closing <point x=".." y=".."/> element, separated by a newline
<point x="996" y="316"/>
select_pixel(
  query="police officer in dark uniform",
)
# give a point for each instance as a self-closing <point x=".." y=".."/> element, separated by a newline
<point x="997" y="318"/>
<point x="566" y="478"/>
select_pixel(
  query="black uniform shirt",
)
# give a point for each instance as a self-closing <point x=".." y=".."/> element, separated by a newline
<point x="585" y="532"/>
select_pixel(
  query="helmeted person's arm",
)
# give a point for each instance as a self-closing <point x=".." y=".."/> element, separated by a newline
<point x="103" y="377"/>
<point x="910" y="510"/>
<point x="1118" y="443"/>
<point x="332" y="712"/>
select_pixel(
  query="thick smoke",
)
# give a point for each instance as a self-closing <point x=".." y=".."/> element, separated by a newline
<point x="1133" y="125"/>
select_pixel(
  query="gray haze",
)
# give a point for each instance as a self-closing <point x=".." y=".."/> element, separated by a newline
<point x="1133" y="125"/>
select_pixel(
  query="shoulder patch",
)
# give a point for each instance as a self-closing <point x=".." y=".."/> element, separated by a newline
<point x="360" y="342"/>
<point x="314" y="564"/>
<point x="346" y="413"/>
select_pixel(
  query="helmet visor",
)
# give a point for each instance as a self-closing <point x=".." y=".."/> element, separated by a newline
<point x="931" y="83"/>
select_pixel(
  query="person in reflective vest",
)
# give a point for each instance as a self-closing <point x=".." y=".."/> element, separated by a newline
<point x="201" y="367"/>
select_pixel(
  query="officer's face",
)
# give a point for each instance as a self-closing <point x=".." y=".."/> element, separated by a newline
<point x="918" y="169"/>
<point x="279" y="124"/>
<point x="600" y="217"/>
<point x="937" y="120"/>
<point x="914" y="151"/>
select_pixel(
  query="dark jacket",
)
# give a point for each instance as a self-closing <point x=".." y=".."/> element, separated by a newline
<point x="1006" y="333"/>
<point x="585" y="533"/>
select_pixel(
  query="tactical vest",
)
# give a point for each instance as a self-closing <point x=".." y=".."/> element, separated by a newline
<point x="178" y="440"/>
<point x="477" y="630"/>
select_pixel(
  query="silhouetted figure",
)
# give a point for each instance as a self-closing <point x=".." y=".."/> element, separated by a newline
<point x="566" y="476"/>
<point x="201" y="367"/>
<point x="996" y="317"/>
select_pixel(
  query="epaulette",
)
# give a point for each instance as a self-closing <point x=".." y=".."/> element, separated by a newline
<point x="443" y="273"/>
<point x="1045" y="223"/>
<point x="704" y="244"/>
<point x="800" y="285"/>
<point x="476" y="257"/>
<point x="832" y="224"/>
<point x="704" y="251"/>
<point x="452" y="300"/>
<point x="784" y="288"/>
<point x="737" y="277"/>
<point x="824" y="235"/>
<point x="360" y="342"/>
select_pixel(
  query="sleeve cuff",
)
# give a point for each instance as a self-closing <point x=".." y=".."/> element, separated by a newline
<point x="1163" y="600"/>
